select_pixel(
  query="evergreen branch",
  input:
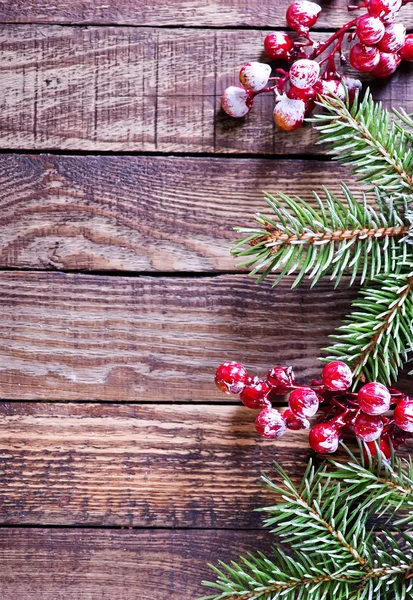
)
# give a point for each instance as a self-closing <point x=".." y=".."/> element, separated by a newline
<point x="366" y="138"/>
<point x="378" y="335"/>
<point x="385" y="571"/>
<point x="341" y="236"/>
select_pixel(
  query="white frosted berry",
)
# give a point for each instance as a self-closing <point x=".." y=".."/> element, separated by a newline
<point x="236" y="101"/>
<point x="304" y="73"/>
<point x="331" y="87"/>
<point x="288" y="113"/>
<point x="254" y="76"/>
<point x="353" y="86"/>
<point x="394" y="38"/>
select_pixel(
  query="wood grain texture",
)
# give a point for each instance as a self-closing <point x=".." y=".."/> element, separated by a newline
<point x="83" y="337"/>
<point x="138" y="213"/>
<point x="196" y="13"/>
<point x="141" y="89"/>
<point x="157" y="466"/>
<point x="80" y="564"/>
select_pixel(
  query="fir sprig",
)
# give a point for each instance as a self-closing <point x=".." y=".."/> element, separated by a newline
<point x="329" y="547"/>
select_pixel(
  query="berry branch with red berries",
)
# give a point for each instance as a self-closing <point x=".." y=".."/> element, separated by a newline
<point x="381" y="43"/>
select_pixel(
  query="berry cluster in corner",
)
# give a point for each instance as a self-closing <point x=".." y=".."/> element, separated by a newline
<point x="341" y="411"/>
<point x="380" y="44"/>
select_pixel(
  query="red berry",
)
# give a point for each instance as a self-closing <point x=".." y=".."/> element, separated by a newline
<point x="301" y="15"/>
<point x="270" y="424"/>
<point x="278" y="45"/>
<point x="394" y="38"/>
<point x="384" y="449"/>
<point x="324" y="438"/>
<point x="304" y="73"/>
<point x="295" y="423"/>
<point x="307" y="95"/>
<point x="328" y="87"/>
<point x="303" y="402"/>
<point x="337" y="376"/>
<point x="407" y="51"/>
<point x="289" y="114"/>
<point x="254" y="76"/>
<point x="403" y="415"/>
<point x="237" y="101"/>
<point x="369" y="29"/>
<point x="364" y="58"/>
<point x="387" y="10"/>
<point x="374" y="398"/>
<point x="231" y="378"/>
<point x="281" y="378"/>
<point x="254" y="394"/>
<point x="368" y="427"/>
<point x="389" y="61"/>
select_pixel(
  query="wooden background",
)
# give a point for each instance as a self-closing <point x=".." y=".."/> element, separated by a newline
<point x="123" y="470"/>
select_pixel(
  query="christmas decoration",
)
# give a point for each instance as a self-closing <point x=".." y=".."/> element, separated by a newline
<point x="327" y="547"/>
<point x="340" y="411"/>
<point x="380" y="44"/>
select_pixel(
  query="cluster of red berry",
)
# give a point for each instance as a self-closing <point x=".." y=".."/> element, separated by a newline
<point x="382" y="44"/>
<point x="342" y="411"/>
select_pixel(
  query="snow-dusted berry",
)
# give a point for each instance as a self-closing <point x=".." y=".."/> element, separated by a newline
<point x="330" y="87"/>
<point x="368" y="427"/>
<point x="386" y="10"/>
<point x="270" y="424"/>
<point x="389" y="61"/>
<point x="394" y="38"/>
<point x="295" y="423"/>
<point x="254" y="395"/>
<point x="303" y="402"/>
<point x="231" y="378"/>
<point x="374" y="398"/>
<point x="364" y="58"/>
<point x="289" y="114"/>
<point x="337" y="376"/>
<point x="281" y="379"/>
<point x="369" y="29"/>
<point x="254" y="76"/>
<point x="407" y="51"/>
<point x="353" y="86"/>
<point x="304" y="73"/>
<point x="324" y="438"/>
<point x="301" y="15"/>
<point x="236" y="101"/>
<point x="278" y="45"/>
<point x="403" y="415"/>
<point x="307" y="95"/>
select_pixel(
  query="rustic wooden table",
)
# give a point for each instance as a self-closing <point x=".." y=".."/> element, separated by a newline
<point x="123" y="470"/>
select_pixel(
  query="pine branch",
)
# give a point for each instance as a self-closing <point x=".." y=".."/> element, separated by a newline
<point x="378" y="335"/>
<point x="366" y="138"/>
<point x="341" y="236"/>
<point x="382" y="570"/>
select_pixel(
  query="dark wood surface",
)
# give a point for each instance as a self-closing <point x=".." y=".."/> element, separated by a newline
<point x="123" y="471"/>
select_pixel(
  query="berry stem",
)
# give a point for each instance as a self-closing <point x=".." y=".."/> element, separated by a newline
<point x="320" y="48"/>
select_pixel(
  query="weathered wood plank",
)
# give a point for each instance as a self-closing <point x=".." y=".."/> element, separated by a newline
<point x="182" y="466"/>
<point x="48" y="564"/>
<point x="138" y="213"/>
<point x="140" y="89"/>
<point x="83" y="337"/>
<point x="165" y="466"/>
<point x="196" y="13"/>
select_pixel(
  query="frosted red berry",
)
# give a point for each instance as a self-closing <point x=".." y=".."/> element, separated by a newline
<point x="353" y="86"/>
<point x="278" y="45"/>
<point x="236" y="101"/>
<point x="374" y="398"/>
<point x="394" y="38"/>
<point x="301" y="15"/>
<point x="387" y="10"/>
<point x="337" y="376"/>
<point x="389" y="61"/>
<point x="368" y="427"/>
<point x="255" y="394"/>
<point x="270" y="424"/>
<point x="307" y="95"/>
<point x="384" y="448"/>
<point x="295" y="423"/>
<point x="254" y="76"/>
<point x="281" y="379"/>
<point x="406" y="52"/>
<point x="231" y="377"/>
<point x="364" y="58"/>
<point x="324" y="438"/>
<point x="303" y="402"/>
<point x="369" y="29"/>
<point x="403" y="415"/>
<point x="289" y="114"/>
<point x="304" y="73"/>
